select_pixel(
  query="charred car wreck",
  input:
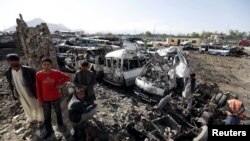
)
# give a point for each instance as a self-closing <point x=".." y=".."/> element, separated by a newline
<point x="122" y="67"/>
<point x="163" y="74"/>
<point x="166" y="121"/>
<point x="96" y="57"/>
<point x="66" y="58"/>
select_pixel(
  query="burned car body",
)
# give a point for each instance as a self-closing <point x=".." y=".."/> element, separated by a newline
<point x="66" y="58"/>
<point x="167" y="121"/>
<point x="161" y="74"/>
<point x="189" y="46"/>
<point x="96" y="57"/>
<point x="7" y="41"/>
<point x="121" y="67"/>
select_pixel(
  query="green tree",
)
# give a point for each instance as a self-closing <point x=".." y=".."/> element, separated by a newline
<point x="148" y="34"/>
<point x="206" y="34"/>
<point x="195" y="35"/>
<point x="236" y="35"/>
<point x="109" y="34"/>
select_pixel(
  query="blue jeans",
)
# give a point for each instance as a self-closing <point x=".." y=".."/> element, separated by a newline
<point x="232" y="120"/>
<point x="47" y="114"/>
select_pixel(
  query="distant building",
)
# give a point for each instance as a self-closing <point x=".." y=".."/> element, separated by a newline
<point x="174" y="41"/>
<point x="66" y="33"/>
<point x="216" y="38"/>
<point x="79" y="33"/>
<point x="158" y="43"/>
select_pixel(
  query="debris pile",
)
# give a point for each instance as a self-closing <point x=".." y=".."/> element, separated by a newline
<point x="168" y="120"/>
<point x="157" y="71"/>
<point x="36" y="43"/>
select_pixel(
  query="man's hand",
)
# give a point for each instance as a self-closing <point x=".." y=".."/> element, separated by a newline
<point x="235" y="114"/>
<point x="40" y="103"/>
<point x="59" y="86"/>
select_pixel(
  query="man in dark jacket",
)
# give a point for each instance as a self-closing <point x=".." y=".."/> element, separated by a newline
<point x="22" y="83"/>
<point x="80" y="110"/>
<point x="86" y="79"/>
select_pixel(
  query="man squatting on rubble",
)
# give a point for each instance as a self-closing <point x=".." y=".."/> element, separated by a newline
<point x="22" y="82"/>
<point x="80" y="110"/>
<point x="86" y="79"/>
<point x="234" y="109"/>
<point x="48" y="82"/>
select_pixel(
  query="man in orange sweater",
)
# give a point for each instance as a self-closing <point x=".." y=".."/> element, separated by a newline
<point x="48" y="82"/>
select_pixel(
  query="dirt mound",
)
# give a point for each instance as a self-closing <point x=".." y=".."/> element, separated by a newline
<point x="231" y="74"/>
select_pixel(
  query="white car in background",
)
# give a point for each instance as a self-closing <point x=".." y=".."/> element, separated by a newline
<point x="215" y="50"/>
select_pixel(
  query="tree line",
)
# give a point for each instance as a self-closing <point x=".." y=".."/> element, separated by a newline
<point x="231" y="35"/>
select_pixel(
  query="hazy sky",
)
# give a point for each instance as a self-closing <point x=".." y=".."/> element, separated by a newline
<point x="132" y="16"/>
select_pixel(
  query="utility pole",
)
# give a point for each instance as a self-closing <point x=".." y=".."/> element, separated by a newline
<point x="154" y="33"/>
<point x="4" y="29"/>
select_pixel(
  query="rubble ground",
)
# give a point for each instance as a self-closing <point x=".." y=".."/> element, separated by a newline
<point x="116" y="107"/>
<point x="231" y="74"/>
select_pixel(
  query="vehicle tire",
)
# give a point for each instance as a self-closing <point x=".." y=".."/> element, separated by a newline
<point x="222" y="101"/>
<point x="203" y="134"/>
<point x="217" y="97"/>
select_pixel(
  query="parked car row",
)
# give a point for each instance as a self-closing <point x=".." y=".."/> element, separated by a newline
<point x="221" y="50"/>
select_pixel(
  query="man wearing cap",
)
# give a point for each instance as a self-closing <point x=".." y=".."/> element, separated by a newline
<point x="86" y="78"/>
<point x="22" y="82"/>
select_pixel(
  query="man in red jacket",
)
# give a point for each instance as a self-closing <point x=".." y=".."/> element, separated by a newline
<point x="48" y="82"/>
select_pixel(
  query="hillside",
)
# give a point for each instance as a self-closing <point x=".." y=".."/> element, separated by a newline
<point x="32" y="23"/>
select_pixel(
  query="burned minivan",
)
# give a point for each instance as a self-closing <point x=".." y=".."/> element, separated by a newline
<point x="162" y="74"/>
<point x="96" y="57"/>
<point x="121" y="67"/>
